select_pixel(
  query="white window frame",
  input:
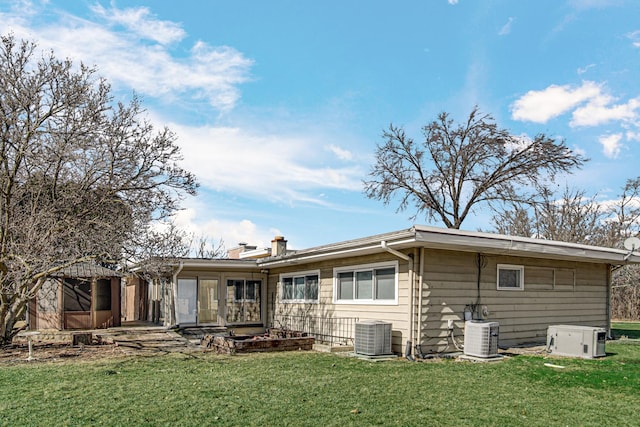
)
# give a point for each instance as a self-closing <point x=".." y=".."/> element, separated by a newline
<point x="512" y="267"/>
<point x="361" y="268"/>
<point x="293" y="276"/>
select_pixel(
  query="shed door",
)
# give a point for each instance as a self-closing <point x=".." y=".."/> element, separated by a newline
<point x="187" y="301"/>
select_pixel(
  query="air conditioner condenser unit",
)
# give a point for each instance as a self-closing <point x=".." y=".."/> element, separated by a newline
<point x="577" y="341"/>
<point x="481" y="338"/>
<point x="373" y="338"/>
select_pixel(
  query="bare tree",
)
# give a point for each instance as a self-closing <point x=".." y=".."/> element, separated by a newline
<point x="623" y="214"/>
<point x="166" y="242"/>
<point x="459" y="167"/>
<point x="204" y="247"/>
<point x="574" y="217"/>
<point x="570" y="217"/>
<point x="624" y="222"/>
<point x="80" y="176"/>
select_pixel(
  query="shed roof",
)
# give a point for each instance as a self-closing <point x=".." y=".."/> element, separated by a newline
<point x="86" y="269"/>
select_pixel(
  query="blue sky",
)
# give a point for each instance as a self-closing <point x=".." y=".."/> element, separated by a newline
<point x="278" y="105"/>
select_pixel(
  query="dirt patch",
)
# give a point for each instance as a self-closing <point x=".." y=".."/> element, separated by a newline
<point x="19" y="353"/>
<point x="56" y="346"/>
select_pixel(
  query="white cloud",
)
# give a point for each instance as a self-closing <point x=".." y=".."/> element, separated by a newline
<point x="541" y="106"/>
<point x="634" y="36"/>
<point x="633" y="136"/>
<point x="583" y="70"/>
<point x="141" y="22"/>
<point x="579" y="151"/>
<point x="599" y="111"/>
<point x="590" y="104"/>
<point x="138" y="57"/>
<point x="199" y="220"/>
<point x="506" y="28"/>
<point x="130" y="48"/>
<point x="272" y="167"/>
<point x="611" y="145"/>
<point x="452" y="1"/>
<point x="340" y="153"/>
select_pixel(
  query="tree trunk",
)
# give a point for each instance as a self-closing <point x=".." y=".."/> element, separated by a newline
<point x="10" y="313"/>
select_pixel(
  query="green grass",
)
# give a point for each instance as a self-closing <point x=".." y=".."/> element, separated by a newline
<point x="626" y="330"/>
<point x="312" y="389"/>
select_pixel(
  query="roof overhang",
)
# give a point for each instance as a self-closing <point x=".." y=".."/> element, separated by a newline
<point x="457" y="240"/>
<point x="222" y="264"/>
<point x="498" y="244"/>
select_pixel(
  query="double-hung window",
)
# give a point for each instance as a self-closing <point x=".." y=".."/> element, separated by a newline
<point x="300" y="287"/>
<point x="367" y="284"/>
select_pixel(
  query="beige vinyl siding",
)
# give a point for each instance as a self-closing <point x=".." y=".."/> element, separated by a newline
<point x="555" y="292"/>
<point x="397" y="314"/>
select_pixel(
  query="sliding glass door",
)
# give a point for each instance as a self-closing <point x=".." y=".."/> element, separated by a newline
<point x="186" y="304"/>
<point x="208" y="301"/>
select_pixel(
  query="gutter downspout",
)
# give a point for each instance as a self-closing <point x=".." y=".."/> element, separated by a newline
<point x="609" y="273"/>
<point x="420" y="286"/>
<point x="383" y="245"/>
<point x="174" y="281"/>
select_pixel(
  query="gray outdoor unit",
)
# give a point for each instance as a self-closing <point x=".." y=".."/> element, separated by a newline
<point x="481" y="338"/>
<point x="577" y="341"/>
<point x="373" y="338"/>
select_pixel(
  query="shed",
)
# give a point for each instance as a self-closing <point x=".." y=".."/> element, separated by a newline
<point x="80" y="296"/>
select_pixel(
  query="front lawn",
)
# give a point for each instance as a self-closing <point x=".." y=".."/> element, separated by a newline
<point x="325" y="390"/>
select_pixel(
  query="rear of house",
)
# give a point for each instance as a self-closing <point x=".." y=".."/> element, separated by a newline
<point x="424" y="281"/>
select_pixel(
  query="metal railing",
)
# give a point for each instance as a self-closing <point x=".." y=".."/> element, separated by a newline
<point x="328" y="330"/>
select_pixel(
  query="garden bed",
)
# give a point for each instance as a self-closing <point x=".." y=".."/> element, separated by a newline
<point x="270" y="342"/>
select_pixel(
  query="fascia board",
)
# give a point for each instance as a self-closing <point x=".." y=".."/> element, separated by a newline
<point x="218" y="264"/>
<point x="519" y="246"/>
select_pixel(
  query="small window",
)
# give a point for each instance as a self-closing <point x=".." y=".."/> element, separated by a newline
<point x="300" y="287"/>
<point x="510" y="277"/>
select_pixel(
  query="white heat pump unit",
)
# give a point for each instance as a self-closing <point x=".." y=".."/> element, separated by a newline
<point x="481" y="338"/>
<point x="577" y="341"/>
<point x="373" y="338"/>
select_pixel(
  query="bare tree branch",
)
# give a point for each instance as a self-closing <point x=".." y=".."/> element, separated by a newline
<point x="458" y="167"/>
<point x="80" y="177"/>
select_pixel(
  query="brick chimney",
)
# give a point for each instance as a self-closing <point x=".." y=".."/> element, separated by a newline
<point x="278" y="246"/>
